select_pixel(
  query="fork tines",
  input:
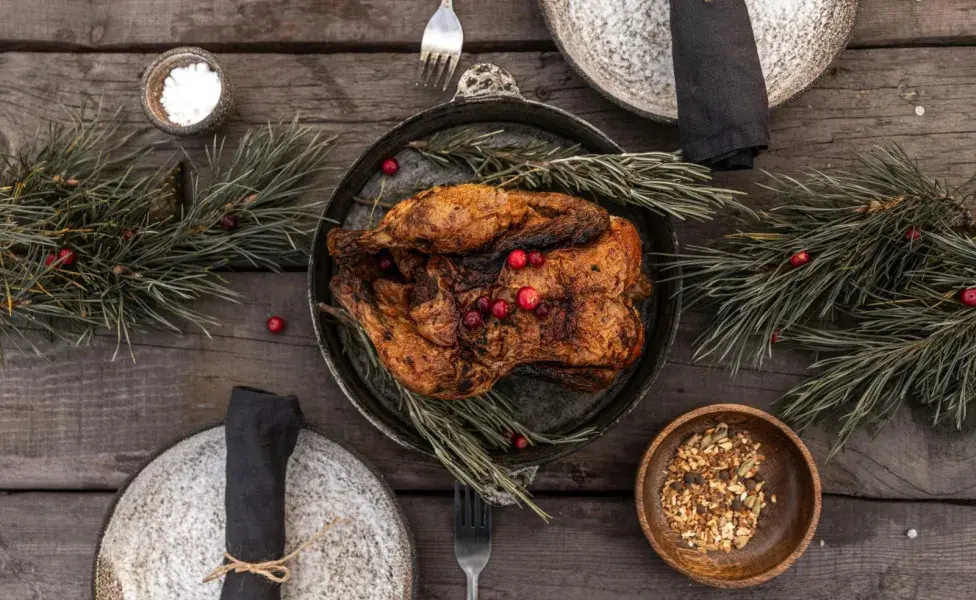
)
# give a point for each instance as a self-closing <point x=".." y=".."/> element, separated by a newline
<point x="436" y="64"/>
<point x="470" y="511"/>
<point x="440" y="49"/>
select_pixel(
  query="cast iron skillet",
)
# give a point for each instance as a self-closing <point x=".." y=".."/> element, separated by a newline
<point x="488" y="98"/>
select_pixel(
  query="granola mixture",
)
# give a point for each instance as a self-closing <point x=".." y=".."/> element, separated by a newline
<point x="714" y="493"/>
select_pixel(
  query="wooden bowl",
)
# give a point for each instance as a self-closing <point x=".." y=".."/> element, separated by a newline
<point x="785" y="527"/>
<point x="152" y="91"/>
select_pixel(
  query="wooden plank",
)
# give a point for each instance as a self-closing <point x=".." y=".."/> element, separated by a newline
<point x="58" y="433"/>
<point x="312" y="25"/>
<point x="594" y="550"/>
<point x="887" y="23"/>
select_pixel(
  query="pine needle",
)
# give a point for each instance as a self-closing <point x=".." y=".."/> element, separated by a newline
<point x="890" y="252"/>
<point x="143" y="254"/>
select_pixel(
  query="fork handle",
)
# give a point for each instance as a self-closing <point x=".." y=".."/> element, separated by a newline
<point x="472" y="577"/>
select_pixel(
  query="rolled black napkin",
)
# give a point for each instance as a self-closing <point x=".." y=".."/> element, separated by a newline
<point x="723" y="109"/>
<point x="262" y="430"/>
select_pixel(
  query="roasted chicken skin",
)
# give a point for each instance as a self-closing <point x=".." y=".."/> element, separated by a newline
<point x="475" y="218"/>
<point x="414" y="316"/>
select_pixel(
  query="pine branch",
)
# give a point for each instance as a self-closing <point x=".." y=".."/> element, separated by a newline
<point x="865" y="231"/>
<point x="657" y="181"/>
<point x="917" y="346"/>
<point x="880" y="297"/>
<point x="136" y="266"/>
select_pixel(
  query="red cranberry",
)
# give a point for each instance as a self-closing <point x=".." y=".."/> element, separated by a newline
<point x="276" y="324"/>
<point x="800" y="258"/>
<point x="484" y="304"/>
<point x="969" y="296"/>
<point x="228" y="222"/>
<point x="390" y="167"/>
<point x="542" y="311"/>
<point x="49" y="260"/>
<point x="527" y="298"/>
<point x="385" y="263"/>
<point x="537" y="259"/>
<point x="128" y="234"/>
<point x="775" y="337"/>
<point x="472" y="319"/>
<point x="517" y="259"/>
<point x="499" y="309"/>
<point x="67" y="256"/>
<point x="520" y="442"/>
<point x="913" y="234"/>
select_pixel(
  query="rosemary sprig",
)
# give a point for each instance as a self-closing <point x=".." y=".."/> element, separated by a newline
<point x="460" y="432"/>
<point x="142" y="256"/>
<point x="658" y="181"/>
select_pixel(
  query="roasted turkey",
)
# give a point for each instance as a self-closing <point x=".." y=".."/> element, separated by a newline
<point x="411" y="280"/>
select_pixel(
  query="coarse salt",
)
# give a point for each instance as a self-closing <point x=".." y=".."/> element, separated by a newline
<point x="190" y="93"/>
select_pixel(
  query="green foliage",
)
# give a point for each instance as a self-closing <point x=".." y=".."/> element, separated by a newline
<point x="143" y="254"/>
<point x="890" y="250"/>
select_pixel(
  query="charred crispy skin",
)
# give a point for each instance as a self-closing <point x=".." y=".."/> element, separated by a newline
<point x="468" y="218"/>
<point x="416" y="362"/>
<point x="591" y="332"/>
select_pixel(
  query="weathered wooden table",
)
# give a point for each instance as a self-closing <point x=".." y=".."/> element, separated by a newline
<point x="71" y="430"/>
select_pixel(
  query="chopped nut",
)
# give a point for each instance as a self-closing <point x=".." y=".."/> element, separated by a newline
<point x="712" y="495"/>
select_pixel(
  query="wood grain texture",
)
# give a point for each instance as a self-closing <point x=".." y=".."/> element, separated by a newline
<point x="593" y="550"/>
<point x="869" y="98"/>
<point x="85" y="422"/>
<point x="82" y="422"/>
<point x="348" y="24"/>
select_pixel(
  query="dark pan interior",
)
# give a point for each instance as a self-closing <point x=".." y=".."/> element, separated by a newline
<point x="541" y="406"/>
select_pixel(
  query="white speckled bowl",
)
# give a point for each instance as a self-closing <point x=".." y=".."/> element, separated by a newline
<point x="623" y="47"/>
<point x="165" y="531"/>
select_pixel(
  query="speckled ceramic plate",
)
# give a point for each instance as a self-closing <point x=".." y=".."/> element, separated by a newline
<point x="623" y="47"/>
<point x="165" y="531"/>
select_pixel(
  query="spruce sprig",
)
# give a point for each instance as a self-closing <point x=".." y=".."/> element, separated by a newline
<point x="141" y="255"/>
<point x="658" y="181"/>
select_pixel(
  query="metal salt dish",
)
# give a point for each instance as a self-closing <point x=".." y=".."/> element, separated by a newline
<point x="488" y="99"/>
<point x="152" y="89"/>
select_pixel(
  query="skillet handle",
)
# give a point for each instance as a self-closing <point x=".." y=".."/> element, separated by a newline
<point x="485" y="80"/>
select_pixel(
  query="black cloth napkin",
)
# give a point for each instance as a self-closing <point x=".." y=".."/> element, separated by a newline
<point x="722" y="105"/>
<point x="261" y="430"/>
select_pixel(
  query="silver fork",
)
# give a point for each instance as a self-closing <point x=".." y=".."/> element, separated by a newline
<point x="472" y="534"/>
<point x="440" y="50"/>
